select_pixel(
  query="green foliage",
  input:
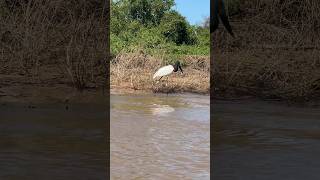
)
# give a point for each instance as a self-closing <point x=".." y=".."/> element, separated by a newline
<point x="176" y="29"/>
<point x="150" y="38"/>
<point x="152" y="26"/>
<point x="202" y="38"/>
<point x="148" y="12"/>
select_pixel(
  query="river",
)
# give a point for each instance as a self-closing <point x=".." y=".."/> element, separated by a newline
<point x="160" y="136"/>
<point x="262" y="140"/>
<point x="48" y="141"/>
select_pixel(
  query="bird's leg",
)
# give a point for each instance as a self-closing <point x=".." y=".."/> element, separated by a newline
<point x="167" y="85"/>
<point x="158" y="81"/>
<point x="167" y="81"/>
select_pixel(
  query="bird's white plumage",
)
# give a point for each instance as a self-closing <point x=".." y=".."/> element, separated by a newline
<point x="166" y="70"/>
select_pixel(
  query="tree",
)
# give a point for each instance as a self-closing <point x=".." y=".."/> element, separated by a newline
<point x="149" y="12"/>
<point x="144" y="11"/>
<point x="175" y="28"/>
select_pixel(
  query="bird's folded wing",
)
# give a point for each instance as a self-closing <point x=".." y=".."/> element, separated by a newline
<point x="163" y="71"/>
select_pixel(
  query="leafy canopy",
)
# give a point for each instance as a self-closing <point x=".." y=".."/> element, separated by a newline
<point x="154" y="25"/>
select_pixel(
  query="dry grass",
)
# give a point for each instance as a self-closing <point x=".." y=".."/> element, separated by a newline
<point x="269" y="74"/>
<point x="68" y="36"/>
<point x="135" y="71"/>
<point x="276" y="54"/>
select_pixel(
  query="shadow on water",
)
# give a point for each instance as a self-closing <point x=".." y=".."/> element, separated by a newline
<point x="160" y="137"/>
<point x="260" y="140"/>
<point x="50" y="142"/>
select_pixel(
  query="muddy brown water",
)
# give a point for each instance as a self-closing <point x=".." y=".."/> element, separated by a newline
<point x="160" y="137"/>
<point x="49" y="142"/>
<point x="260" y="141"/>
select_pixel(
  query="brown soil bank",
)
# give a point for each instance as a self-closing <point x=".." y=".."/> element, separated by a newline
<point x="275" y="54"/>
<point x="134" y="72"/>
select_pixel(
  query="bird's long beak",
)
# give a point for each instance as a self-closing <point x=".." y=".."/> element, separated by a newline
<point x="180" y="69"/>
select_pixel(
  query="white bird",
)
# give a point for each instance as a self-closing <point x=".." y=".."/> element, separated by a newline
<point x="166" y="70"/>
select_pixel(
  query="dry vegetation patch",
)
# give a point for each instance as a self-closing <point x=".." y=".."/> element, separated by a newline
<point x="45" y="40"/>
<point x="276" y="52"/>
<point x="135" y="71"/>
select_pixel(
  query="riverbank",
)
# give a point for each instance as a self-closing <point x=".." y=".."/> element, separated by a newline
<point x="270" y="74"/>
<point x="275" y="53"/>
<point x="132" y="72"/>
<point x="50" y="86"/>
<point x="47" y="56"/>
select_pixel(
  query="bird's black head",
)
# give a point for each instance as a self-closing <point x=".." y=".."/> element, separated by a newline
<point x="177" y="66"/>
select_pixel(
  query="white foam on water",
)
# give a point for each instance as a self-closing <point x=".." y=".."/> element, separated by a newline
<point x="161" y="110"/>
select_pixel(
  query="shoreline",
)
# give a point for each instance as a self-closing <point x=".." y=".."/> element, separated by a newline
<point x="52" y="86"/>
<point x="65" y="95"/>
<point x="129" y="91"/>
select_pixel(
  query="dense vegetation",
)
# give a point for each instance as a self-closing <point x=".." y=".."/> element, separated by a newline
<point x="155" y="28"/>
